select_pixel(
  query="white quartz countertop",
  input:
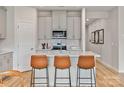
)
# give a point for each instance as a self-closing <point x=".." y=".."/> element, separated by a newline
<point x="63" y="52"/>
<point x="4" y="51"/>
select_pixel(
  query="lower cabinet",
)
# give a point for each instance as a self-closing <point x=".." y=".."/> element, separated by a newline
<point x="6" y="61"/>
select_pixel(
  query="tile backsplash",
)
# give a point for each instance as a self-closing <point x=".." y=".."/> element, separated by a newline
<point x="52" y="42"/>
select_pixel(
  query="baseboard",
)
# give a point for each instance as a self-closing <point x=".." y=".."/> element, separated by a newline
<point x="108" y="66"/>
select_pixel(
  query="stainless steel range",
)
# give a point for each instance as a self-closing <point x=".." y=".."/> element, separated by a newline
<point x="59" y="46"/>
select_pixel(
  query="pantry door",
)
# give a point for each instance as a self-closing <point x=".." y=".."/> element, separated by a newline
<point x="26" y="44"/>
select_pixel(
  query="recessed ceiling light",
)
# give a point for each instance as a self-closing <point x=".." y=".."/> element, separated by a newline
<point x="87" y="19"/>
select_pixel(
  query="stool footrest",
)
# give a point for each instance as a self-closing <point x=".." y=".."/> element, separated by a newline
<point x="40" y="77"/>
<point x="84" y="78"/>
<point x="62" y="78"/>
<point x="62" y="83"/>
<point x="39" y="83"/>
<point x="87" y="83"/>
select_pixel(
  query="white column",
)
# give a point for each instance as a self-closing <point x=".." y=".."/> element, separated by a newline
<point x="83" y="30"/>
<point x="121" y="39"/>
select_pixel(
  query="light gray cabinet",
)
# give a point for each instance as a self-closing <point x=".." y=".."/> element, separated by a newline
<point x="70" y="31"/>
<point x="73" y="27"/>
<point x="44" y="28"/>
<point x="77" y="27"/>
<point x="2" y="23"/>
<point x="59" y="20"/>
<point x="6" y="61"/>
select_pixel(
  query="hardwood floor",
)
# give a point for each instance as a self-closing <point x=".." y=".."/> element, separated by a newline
<point x="105" y="78"/>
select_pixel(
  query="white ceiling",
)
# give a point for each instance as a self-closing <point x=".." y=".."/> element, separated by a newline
<point x="88" y="8"/>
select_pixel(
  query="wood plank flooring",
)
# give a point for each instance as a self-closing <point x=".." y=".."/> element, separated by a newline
<point x="105" y="78"/>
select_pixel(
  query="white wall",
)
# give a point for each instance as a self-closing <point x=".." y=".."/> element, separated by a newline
<point x="121" y="39"/>
<point x="8" y="42"/>
<point x="112" y="26"/>
<point x="108" y="50"/>
<point x="96" y="14"/>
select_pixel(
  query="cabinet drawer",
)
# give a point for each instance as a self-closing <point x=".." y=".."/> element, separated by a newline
<point x="6" y="61"/>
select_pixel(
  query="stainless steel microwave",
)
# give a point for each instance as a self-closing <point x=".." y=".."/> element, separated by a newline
<point x="59" y="34"/>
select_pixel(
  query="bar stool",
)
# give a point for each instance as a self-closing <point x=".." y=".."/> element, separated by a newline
<point x="39" y="62"/>
<point x="62" y="62"/>
<point x="11" y="73"/>
<point x="87" y="63"/>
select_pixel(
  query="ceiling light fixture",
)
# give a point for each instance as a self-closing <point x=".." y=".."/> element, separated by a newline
<point x="87" y="19"/>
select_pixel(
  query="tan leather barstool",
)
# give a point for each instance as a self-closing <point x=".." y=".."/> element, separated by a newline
<point x="39" y="62"/>
<point x="62" y="62"/>
<point x="11" y="73"/>
<point x="86" y="62"/>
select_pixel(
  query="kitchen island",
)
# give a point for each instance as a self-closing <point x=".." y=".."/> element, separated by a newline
<point x="64" y="73"/>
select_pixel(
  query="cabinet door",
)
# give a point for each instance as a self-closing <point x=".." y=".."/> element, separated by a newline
<point x="77" y="28"/>
<point x="70" y="24"/>
<point x="9" y="57"/>
<point x="48" y="28"/>
<point x="2" y="23"/>
<point x="59" y="20"/>
<point x="62" y="20"/>
<point x="5" y="62"/>
<point x="41" y="27"/>
<point x="55" y="20"/>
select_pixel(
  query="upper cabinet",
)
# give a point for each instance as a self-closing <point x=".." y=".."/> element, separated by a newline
<point x="73" y="25"/>
<point x="77" y="27"/>
<point x="44" y="25"/>
<point x="49" y="21"/>
<point x="59" y="20"/>
<point x="44" y="28"/>
<point x="3" y="20"/>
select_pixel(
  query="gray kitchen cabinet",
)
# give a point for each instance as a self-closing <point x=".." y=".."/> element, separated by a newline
<point x="48" y="28"/>
<point x="2" y="23"/>
<point x="73" y="27"/>
<point x="44" y="28"/>
<point x="41" y="27"/>
<point x="70" y="34"/>
<point x="59" y="20"/>
<point x="77" y="27"/>
<point x="6" y="61"/>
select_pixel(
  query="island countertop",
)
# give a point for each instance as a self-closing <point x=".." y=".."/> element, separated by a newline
<point x="72" y="53"/>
